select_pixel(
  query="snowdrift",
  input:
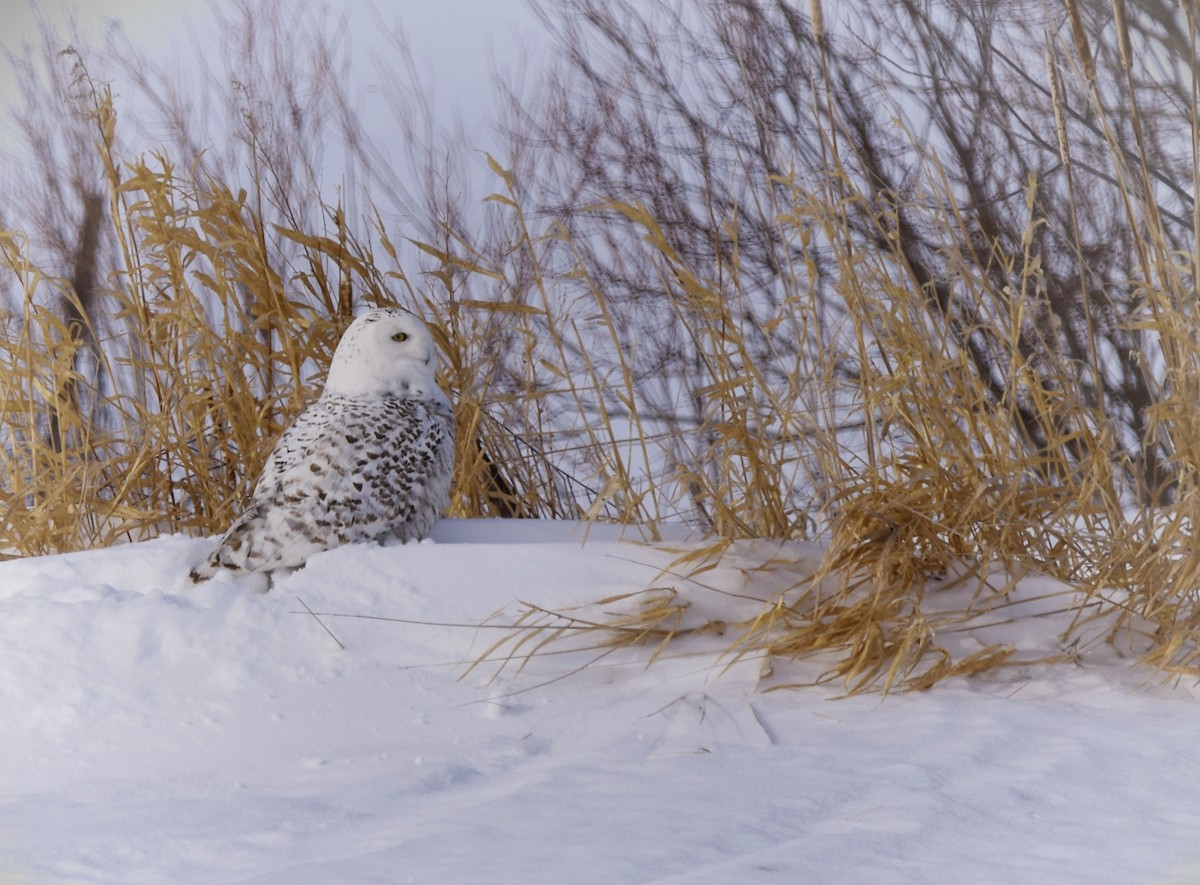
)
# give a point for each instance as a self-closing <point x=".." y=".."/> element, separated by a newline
<point x="156" y="731"/>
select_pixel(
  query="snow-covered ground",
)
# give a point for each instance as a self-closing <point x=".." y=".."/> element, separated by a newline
<point x="158" y="732"/>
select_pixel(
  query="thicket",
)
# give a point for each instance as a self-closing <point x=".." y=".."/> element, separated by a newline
<point x="914" y="278"/>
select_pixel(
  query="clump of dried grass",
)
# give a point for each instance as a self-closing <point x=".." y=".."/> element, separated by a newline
<point x="1006" y="471"/>
<point x="938" y="479"/>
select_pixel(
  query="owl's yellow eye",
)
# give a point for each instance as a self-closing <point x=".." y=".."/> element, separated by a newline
<point x="400" y="336"/>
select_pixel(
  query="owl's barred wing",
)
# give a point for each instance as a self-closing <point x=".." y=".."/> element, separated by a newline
<point x="257" y="540"/>
<point x="350" y="469"/>
<point x="307" y="435"/>
<point x="362" y="459"/>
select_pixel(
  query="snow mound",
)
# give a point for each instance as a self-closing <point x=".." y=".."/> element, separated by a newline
<point x="156" y="731"/>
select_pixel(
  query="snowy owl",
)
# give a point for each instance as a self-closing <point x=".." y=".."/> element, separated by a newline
<point x="370" y="459"/>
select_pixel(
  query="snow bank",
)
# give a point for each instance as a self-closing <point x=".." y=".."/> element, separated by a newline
<point x="156" y="731"/>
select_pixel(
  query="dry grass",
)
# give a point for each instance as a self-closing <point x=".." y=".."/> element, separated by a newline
<point x="149" y="405"/>
<point x="1010" y="473"/>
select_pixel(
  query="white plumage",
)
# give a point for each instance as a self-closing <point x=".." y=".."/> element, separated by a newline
<point x="371" y="459"/>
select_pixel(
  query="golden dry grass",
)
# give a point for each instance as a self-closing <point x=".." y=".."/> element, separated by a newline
<point x="946" y="475"/>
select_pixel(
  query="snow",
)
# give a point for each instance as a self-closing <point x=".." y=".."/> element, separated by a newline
<point x="156" y="731"/>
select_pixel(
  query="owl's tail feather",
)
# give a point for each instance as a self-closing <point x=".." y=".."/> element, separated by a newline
<point x="231" y="552"/>
<point x="201" y="573"/>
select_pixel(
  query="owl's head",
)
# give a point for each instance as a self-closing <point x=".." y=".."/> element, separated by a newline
<point x="385" y="352"/>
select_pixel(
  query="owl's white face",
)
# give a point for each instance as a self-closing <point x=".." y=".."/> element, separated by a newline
<point x="385" y="352"/>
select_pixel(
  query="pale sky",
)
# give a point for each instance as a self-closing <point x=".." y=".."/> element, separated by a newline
<point x="145" y="21"/>
<point x="453" y="41"/>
